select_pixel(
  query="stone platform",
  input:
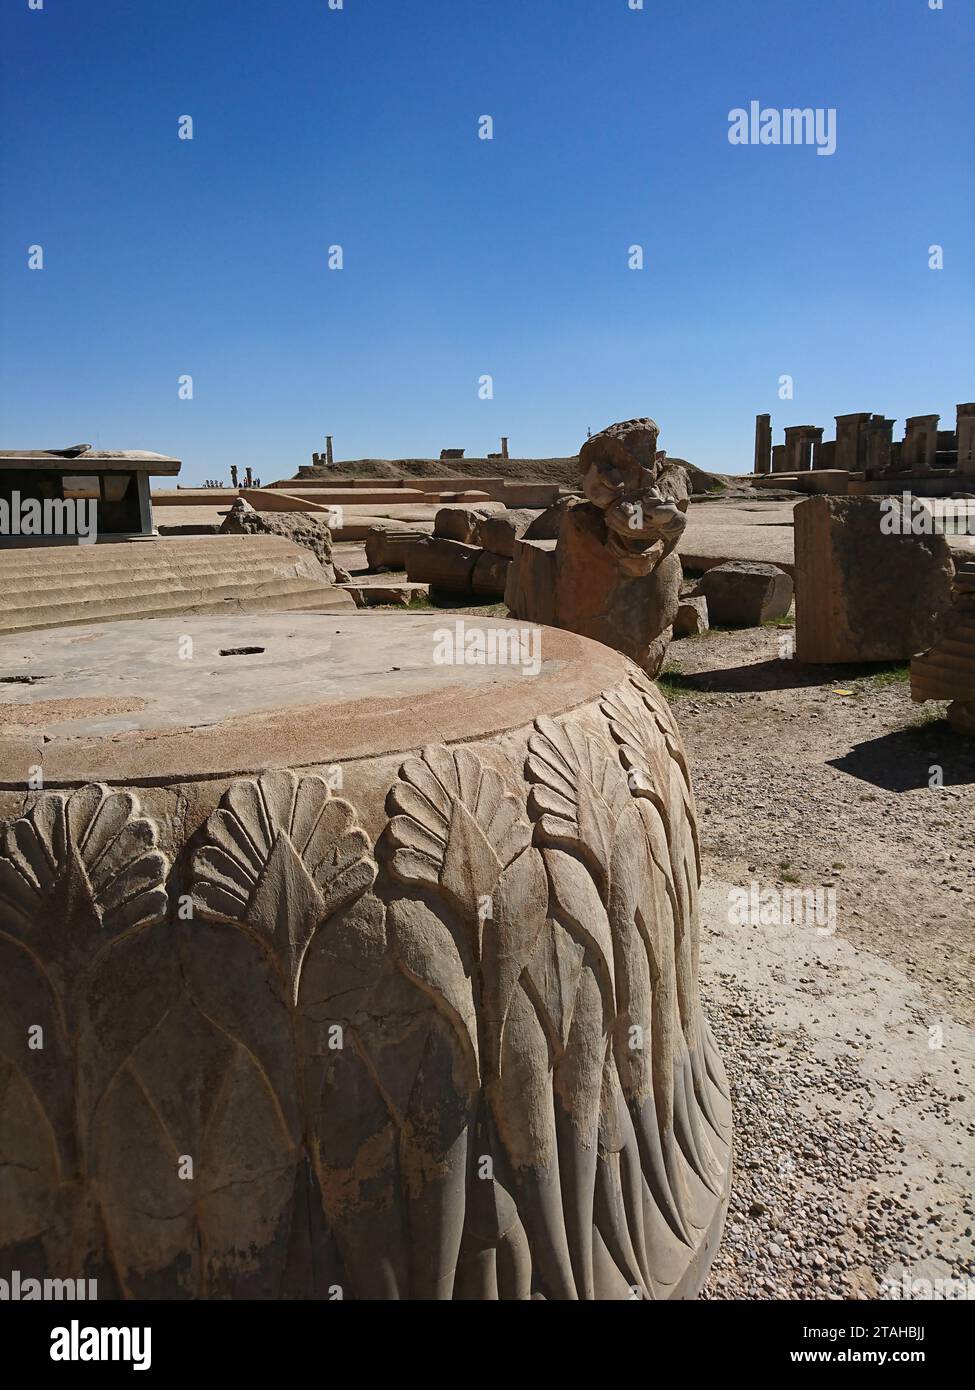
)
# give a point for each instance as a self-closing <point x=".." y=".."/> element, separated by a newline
<point x="331" y="968"/>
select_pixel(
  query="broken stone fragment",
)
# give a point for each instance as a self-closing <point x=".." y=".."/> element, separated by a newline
<point x="692" y="617"/>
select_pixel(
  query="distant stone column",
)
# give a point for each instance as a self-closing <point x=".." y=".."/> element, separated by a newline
<point x="233" y="475"/>
<point x="780" y="462"/>
<point x="920" y="443"/>
<point x="504" y="446"/>
<point x="248" y="477"/>
<point x="879" y="435"/>
<point x="799" y="441"/>
<point x="763" y="443"/>
<point x="824" y="454"/>
<point x="851" y="450"/>
<point x="328" y="451"/>
<point x="965" y="434"/>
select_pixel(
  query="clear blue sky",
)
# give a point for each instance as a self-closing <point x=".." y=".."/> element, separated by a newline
<point x="165" y="257"/>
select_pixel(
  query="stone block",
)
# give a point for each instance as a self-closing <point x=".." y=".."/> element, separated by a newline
<point x="382" y="595"/>
<point x="499" y="531"/>
<point x="692" y="617"/>
<point x="387" y="546"/>
<point x="746" y="593"/>
<point x="864" y="593"/>
<point x="309" y="530"/>
<point x="458" y="523"/>
<point x="490" y="574"/>
<point x="548" y="523"/>
<point x="530" y="586"/>
<point x="946" y="671"/>
<point x="447" y="566"/>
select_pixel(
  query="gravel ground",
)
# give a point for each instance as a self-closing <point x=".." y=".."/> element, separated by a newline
<point x="850" y="1053"/>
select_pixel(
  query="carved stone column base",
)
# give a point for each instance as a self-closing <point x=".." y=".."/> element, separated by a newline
<point x="337" y="962"/>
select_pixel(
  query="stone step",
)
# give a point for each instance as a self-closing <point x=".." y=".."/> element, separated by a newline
<point x="25" y="590"/>
<point x="64" y="586"/>
<point x="274" y="596"/>
<point x="150" y="556"/>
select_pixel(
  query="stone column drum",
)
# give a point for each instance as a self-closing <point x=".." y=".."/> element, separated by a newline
<point x="334" y="964"/>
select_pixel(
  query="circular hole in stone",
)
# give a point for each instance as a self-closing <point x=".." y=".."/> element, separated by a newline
<point x="241" y="651"/>
<point x="21" y="680"/>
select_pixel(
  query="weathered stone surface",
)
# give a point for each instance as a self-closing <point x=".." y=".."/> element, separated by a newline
<point x="626" y="458"/>
<point x="459" y="524"/>
<point x="692" y="616"/>
<point x="616" y="577"/>
<point x="759" y="529"/>
<point x="52" y="586"/>
<point x="304" y="528"/>
<point x="595" y="596"/>
<point x="499" y="531"/>
<point x="377" y="595"/>
<point x="946" y="671"/>
<point x="530" y="587"/>
<point x="489" y="576"/>
<point x="547" y="524"/>
<point x="746" y="593"/>
<point x="961" y="716"/>
<point x="863" y="594"/>
<point x="701" y="482"/>
<point x="447" y="566"/>
<point x="430" y="1027"/>
<point x="388" y="546"/>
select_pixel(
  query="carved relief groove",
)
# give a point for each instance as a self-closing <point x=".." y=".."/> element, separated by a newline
<point x="468" y="1061"/>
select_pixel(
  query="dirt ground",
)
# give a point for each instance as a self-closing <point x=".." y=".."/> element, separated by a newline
<point x="850" y="1051"/>
<point x="794" y="779"/>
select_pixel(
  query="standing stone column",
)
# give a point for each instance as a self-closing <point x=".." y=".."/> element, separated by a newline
<point x="879" y="433"/>
<point x="824" y="454"/>
<point x="851" y="450"/>
<point x="328" y="450"/>
<point x="763" y="443"/>
<point x="799" y="440"/>
<point x="920" y="443"/>
<point x="965" y="434"/>
<point x="504" y="446"/>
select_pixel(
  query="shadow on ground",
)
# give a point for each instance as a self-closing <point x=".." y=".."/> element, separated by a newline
<point x="774" y="674"/>
<point x="906" y="759"/>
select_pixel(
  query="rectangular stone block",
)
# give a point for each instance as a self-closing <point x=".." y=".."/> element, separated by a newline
<point x="864" y="592"/>
<point x="444" y="565"/>
<point x="746" y="593"/>
<point x="530" y="588"/>
<point x="387" y="546"/>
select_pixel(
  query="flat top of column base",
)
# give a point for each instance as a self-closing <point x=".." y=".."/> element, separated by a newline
<point x="119" y="702"/>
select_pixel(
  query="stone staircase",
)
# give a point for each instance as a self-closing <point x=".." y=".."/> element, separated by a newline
<point x="51" y="586"/>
